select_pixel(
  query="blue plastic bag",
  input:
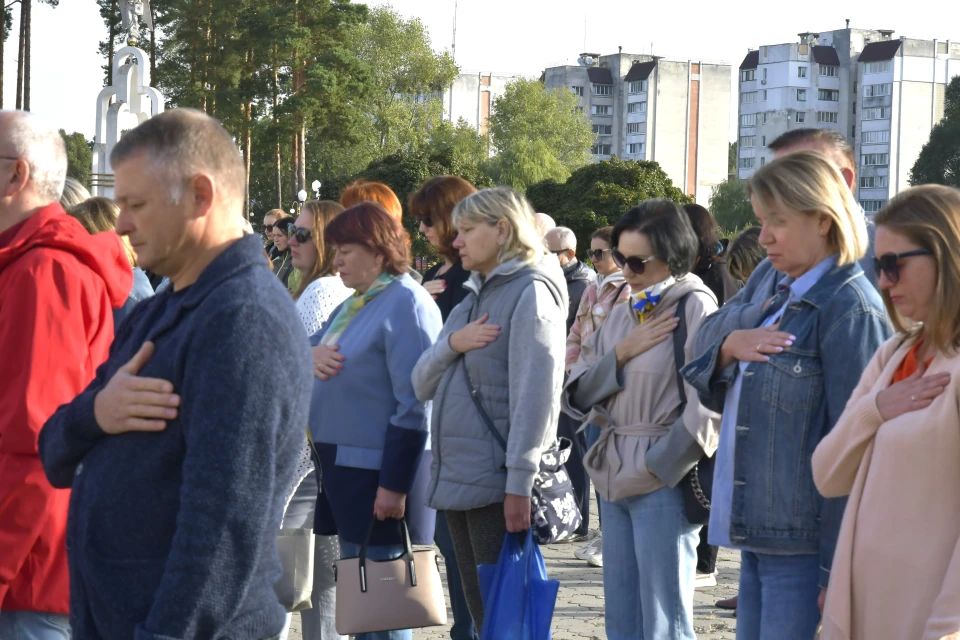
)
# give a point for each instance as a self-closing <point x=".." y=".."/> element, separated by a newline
<point x="518" y="598"/>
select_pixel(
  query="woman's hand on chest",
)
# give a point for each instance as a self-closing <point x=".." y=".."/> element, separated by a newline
<point x="644" y="337"/>
<point x="474" y="335"/>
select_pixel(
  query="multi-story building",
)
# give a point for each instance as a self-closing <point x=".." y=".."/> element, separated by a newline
<point x="471" y="97"/>
<point x="643" y="107"/>
<point x="883" y="94"/>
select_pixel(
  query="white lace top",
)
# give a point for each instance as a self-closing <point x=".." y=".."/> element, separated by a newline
<point x="316" y="304"/>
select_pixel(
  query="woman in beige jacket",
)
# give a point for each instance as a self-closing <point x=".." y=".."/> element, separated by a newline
<point x="896" y="448"/>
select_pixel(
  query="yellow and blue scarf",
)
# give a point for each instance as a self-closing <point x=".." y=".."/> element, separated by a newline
<point x="646" y="301"/>
<point x="352" y="307"/>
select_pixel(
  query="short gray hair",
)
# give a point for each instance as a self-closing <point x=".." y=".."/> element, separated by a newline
<point x="566" y="236"/>
<point x="489" y="206"/>
<point x="42" y="148"/>
<point x="544" y="223"/>
<point x="184" y="142"/>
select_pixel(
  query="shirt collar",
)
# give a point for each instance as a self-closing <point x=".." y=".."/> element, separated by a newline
<point x="800" y="286"/>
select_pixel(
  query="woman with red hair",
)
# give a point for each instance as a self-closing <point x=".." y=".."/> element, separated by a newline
<point x="360" y="191"/>
<point x="365" y="419"/>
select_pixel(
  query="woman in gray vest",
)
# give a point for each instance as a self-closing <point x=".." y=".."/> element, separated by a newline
<point x="506" y="340"/>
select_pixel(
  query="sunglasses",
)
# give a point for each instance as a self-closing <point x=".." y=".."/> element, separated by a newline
<point x="301" y="235"/>
<point x="268" y="228"/>
<point x="597" y="254"/>
<point x="889" y="263"/>
<point x="427" y="221"/>
<point x="637" y="264"/>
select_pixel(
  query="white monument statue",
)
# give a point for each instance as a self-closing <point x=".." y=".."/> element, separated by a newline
<point x="131" y="12"/>
<point x="127" y="102"/>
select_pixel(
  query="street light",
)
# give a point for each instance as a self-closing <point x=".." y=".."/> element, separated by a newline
<point x="316" y="189"/>
<point x="302" y="196"/>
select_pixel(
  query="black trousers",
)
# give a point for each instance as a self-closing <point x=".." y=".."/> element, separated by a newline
<point x="706" y="554"/>
<point x="567" y="428"/>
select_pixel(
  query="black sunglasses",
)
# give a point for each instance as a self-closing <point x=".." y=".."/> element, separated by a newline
<point x="301" y="235"/>
<point x="427" y="221"/>
<point x="597" y="254"/>
<point x="637" y="264"/>
<point x="889" y="263"/>
<point x="268" y="228"/>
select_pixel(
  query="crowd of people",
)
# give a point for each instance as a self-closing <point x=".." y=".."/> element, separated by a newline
<point x="177" y="394"/>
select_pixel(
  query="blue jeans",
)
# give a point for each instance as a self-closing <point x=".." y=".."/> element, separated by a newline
<point x="649" y="562"/>
<point x="463" y="627"/>
<point x="34" y="625"/>
<point x="778" y="596"/>
<point x="591" y="434"/>
<point x="378" y="552"/>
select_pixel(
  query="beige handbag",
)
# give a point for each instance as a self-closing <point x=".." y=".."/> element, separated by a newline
<point x="295" y="586"/>
<point x="387" y="595"/>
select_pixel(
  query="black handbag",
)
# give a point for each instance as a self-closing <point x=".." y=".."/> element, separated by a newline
<point x="554" y="515"/>
<point x="697" y="485"/>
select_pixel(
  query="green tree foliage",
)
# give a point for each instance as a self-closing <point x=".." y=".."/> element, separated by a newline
<point x="598" y="194"/>
<point x="730" y="205"/>
<point x="79" y="157"/>
<point x="939" y="160"/>
<point x="732" y="153"/>
<point x="538" y="135"/>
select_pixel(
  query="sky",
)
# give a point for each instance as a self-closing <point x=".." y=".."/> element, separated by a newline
<point x="507" y="36"/>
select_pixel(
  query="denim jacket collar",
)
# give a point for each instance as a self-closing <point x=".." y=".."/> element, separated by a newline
<point x="827" y="287"/>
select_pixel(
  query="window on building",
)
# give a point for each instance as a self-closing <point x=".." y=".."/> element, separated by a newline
<point x="801" y="72"/>
<point x="826" y="116"/>
<point x="876" y="113"/>
<point x="637" y="107"/>
<point x="829" y="70"/>
<point x="763" y="161"/>
<point x="601" y="109"/>
<point x="637" y="86"/>
<point x="748" y="97"/>
<point x="577" y="90"/>
<point x="764" y="97"/>
<point x="800" y="117"/>
<point x="747" y="163"/>
<point x="748" y="120"/>
<point x="602" y="89"/>
<point x="764" y="117"/>
<point x="764" y="74"/>
<point x="874" y="182"/>
<point x="747" y="141"/>
<point x="600" y="150"/>
<point x="635" y="148"/>
<point x="763" y="141"/>
<point x="635" y="127"/>
<point x="828" y="95"/>
<point x="875" y="159"/>
<point x="879" y="66"/>
<point x="876" y="137"/>
<point x="801" y="95"/>
<point x="603" y="129"/>
<point x="747" y="75"/>
<point x="877" y="90"/>
<point x="872" y="206"/>
<point x="578" y="109"/>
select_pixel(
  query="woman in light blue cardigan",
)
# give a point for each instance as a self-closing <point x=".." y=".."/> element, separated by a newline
<point x="368" y="426"/>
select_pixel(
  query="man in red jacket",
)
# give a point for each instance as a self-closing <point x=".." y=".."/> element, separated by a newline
<point x="58" y="285"/>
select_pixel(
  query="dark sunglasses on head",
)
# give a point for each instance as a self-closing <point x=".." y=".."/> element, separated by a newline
<point x="299" y="234"/>
<point x="427" y="221"/>
<point x="889" y="263"/>
<point x="597" y="254"/>
<point x="268" y="228"/>
<point x="558" y="252"/>
<point x="637" y="264"/>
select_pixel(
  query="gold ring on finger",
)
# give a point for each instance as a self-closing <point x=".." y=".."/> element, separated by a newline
<point x="758" y="347"/>
<point x="913" y="398"/>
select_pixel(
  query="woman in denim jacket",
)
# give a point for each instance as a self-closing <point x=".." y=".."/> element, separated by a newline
<point x="780" y="360"/>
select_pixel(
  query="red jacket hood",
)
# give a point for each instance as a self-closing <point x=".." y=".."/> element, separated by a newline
<point x="103" y="253"/>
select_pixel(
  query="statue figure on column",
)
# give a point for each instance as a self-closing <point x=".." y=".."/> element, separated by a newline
<point x="131" y="12"/>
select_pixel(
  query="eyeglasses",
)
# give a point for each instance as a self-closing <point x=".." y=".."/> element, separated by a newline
<point x="889" y="263"/>
<point x="300" y="234"/>
<point x="268" y="228"/>
<point x="597" y="254"/>
<point x="559" y="252"/>
<point x="637" y="264"/>
<point x="427" y="221"/>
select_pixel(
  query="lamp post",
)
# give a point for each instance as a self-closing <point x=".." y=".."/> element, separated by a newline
<point x="316" y="189"/>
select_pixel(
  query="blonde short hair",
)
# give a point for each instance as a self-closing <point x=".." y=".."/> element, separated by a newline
<point x="929" y="216"/>
<point x="807" y="181"/>
<point x="489" y="206"/>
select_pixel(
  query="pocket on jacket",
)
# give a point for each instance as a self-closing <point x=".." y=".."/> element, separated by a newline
<point x="793" y="382"/>
<point x="120" y="591"/>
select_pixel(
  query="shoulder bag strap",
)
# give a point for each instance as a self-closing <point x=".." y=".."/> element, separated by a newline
<point x="475" y="396"/>
<point x="679" y="343"/>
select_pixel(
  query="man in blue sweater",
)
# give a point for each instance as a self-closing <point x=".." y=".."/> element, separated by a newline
<point x="181" y="449"/>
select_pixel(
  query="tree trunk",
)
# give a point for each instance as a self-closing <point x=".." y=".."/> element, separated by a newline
<point x="111" y="45"/>
<point x="276" y="125"/>
<point x="153" y="45"/>
<point x="247" y="153"/>
<point x="23" y="24"/>
<point x="295" y="173"/>
<point x="302" y="160"/>
<point x="3" y="45"/>
<point x="26" y="56"/>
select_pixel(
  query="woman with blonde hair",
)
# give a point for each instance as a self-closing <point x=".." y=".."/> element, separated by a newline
<point x="506" y="342"/>
<point x="781" y="360"/>
<point x="894" y="451"/>
<point x="98" y="215"/>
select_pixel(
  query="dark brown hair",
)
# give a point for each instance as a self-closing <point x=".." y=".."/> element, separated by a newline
<point x="321" y="212"/>
<point x="436" y="198"/>
<point x="369" y="225"/>
<point x="603" y="233"/>
<point x="929" y="216"/>
<point x="705" y="228"/>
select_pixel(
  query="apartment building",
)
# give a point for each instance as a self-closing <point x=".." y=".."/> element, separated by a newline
<point x="471" y="97"/>
<point x="644" y="107"/>
<point x="883" y="94"/>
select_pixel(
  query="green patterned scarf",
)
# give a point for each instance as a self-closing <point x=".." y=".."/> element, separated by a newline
<point x="352" y="306"/>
